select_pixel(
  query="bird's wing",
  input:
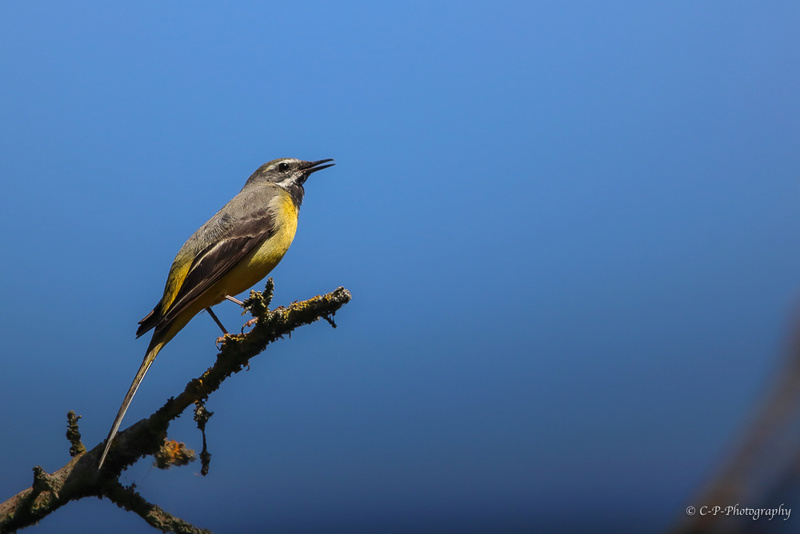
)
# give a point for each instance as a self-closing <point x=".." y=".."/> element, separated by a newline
<point x="230" y="241"/>
<point x="212" y="230"/>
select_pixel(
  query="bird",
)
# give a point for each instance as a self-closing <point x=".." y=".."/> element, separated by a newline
<point x="230" y="253"/>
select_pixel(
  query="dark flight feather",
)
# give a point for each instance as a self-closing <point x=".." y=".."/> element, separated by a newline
<point x="211" y="264"/>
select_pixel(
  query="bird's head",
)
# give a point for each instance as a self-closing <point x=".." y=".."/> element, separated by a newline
<point x="288" y="173"/>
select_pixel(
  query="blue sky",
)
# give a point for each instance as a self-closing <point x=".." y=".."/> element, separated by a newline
<point x="570" y="231"/>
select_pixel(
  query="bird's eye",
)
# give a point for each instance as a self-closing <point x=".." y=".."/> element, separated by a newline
<point x="283" y="167"/>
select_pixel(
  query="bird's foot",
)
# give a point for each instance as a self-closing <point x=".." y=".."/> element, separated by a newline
<point x="249" y="323"/>
<point x="220" y="341"/>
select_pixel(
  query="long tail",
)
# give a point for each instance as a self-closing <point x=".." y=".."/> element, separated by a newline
<point x="152" y="352"/>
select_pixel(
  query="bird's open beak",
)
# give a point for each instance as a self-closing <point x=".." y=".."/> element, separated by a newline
<point x="314" y="166"/>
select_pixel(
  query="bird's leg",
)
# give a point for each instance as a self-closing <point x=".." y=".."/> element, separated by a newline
<point x="221" y="339"/>
<point x="219" y="323"/>
<point x="249" y="323"/>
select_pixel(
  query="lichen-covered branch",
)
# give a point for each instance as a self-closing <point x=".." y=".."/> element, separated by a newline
<point x="128" y="499"/>
<point x="74" y="435"/>
<point x="80" y="477"/>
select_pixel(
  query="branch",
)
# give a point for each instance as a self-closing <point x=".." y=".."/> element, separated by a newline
<point x="763" y="468"/>
<point x="80" y="477"/>
<point x="128" y="499"/>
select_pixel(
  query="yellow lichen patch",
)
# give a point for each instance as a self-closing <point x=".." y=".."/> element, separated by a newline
<point x="173" y="453"/>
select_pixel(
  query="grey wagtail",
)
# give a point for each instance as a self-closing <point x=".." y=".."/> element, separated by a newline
<point x="230" y="253"/>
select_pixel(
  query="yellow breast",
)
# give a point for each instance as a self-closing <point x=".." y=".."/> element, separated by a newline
<point x="259" y="263"/>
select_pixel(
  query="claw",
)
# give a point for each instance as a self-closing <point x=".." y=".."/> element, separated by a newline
<point x="249" y="323"/>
